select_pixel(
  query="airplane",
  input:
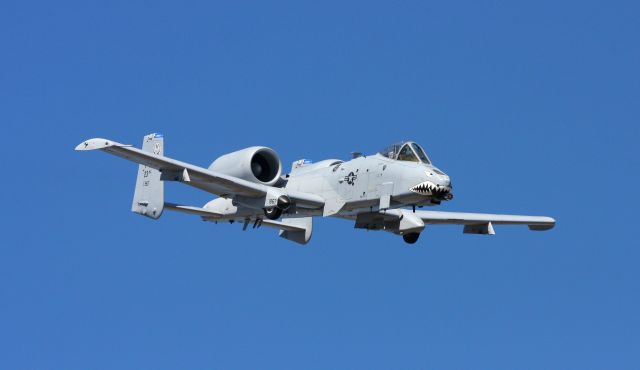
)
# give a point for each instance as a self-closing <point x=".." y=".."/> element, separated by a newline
<point x="376" y="192"/>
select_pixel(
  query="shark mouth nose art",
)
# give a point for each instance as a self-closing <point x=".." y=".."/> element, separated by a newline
<point x="429" y="188"/>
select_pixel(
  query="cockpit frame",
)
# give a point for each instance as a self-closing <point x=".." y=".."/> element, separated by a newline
<point x="408" y="151"/>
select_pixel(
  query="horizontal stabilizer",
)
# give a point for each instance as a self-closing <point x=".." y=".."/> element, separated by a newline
<point x="295" y="229"/>
<point x="191" y="210"/>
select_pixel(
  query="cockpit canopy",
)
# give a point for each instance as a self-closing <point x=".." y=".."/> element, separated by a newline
<point x="406" y="151"/>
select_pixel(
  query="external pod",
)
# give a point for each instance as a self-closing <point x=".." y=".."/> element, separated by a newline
<point x="256" y="164"/>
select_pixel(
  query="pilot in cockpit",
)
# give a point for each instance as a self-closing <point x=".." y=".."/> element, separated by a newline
<point x="406" y="151"/>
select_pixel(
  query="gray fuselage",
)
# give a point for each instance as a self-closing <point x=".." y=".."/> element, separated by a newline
<point x="363" y="181"/>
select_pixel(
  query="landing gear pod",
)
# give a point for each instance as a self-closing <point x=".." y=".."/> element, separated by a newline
<point x="273" y="213"/>
<point x="411" y="238"/>
<point x="283" y="203"/>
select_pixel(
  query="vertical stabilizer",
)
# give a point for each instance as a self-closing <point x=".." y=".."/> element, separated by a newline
<point x="148" y="198"/>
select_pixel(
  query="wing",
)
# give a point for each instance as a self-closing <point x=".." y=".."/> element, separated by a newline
<point x="404" y="220"/>
<point x="201" y="178"/>
<point x="481" y="223"/>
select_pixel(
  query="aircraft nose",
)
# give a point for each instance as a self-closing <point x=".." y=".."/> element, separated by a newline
<point x="436" y="184"/>
<point x="438" y="177"/>
<point x="446" y="181"/>
<point x="431" y="189"/>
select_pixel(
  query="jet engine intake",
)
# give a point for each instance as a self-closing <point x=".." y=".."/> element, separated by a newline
<point x="256" y="164"/>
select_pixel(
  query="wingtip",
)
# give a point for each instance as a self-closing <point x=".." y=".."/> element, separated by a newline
<point x="547" y="223"/>
<point x="96" y="143"/>
<point x="552" y="222"/>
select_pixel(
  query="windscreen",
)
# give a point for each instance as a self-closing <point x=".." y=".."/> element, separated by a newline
<point x="421" y="154"/>
<point x="406" y="154"/>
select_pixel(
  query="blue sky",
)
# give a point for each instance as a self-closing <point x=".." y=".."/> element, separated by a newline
<point x="531" y="108"/>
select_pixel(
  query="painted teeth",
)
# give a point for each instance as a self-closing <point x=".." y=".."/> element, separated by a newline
<point x="429" y="188"/>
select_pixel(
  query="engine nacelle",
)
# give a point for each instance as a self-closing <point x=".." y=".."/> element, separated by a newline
<point x="256" y="164"/>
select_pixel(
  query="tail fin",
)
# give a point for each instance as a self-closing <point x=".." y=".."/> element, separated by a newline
<point x="148" y="198"/>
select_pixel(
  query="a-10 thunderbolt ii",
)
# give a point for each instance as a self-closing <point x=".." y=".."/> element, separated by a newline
<point x="377" y="192"/>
